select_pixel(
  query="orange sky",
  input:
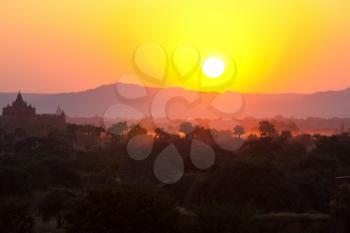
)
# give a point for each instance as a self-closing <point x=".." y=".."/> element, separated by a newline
<point x="277" y="46"/>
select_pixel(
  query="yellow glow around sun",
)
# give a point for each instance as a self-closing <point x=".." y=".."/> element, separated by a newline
<point x="213" y="67"/>
<point x="270" y="45"/>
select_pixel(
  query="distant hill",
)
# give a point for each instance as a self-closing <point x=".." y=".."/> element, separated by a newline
<point x="95" y="102"/>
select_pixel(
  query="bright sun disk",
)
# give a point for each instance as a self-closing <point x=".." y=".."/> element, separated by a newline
<point x="213" y="67"/>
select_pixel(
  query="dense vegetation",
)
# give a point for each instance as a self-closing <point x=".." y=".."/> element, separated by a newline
<point x="48" y="185"/>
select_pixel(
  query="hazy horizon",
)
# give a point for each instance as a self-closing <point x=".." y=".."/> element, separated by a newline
<point x="97" y="101"/>
<point x="15" y="91"/>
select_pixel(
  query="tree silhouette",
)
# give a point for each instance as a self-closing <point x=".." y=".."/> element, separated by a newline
<point x="15" y="216"/>
<point x="161" y="135"/>
<point x="186" y="127"/>
<point x="14" y="182"/>
<point x="55" y="205"/>
<point x="238" y="130"/>
<point x="136" y="130"/>
<point x="267" y="129"/>
<point x="286" y="136"/>
<point x="118" y="129"/>
<point x="123" y="209"/>
<point x="340" y="205"/>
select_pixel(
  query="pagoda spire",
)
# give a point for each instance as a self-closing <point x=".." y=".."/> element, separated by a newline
<point x="59" y="110"/>
<point x="19" y="97"/>
<point x="19" y="100"/>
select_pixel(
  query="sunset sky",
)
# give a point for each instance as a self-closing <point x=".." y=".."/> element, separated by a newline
<point x="72" y="45"/>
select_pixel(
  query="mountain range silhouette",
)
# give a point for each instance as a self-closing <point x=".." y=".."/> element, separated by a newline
<point x="95" y="102"/>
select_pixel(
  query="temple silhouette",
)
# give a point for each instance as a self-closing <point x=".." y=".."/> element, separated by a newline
<point x="20" y="116"/>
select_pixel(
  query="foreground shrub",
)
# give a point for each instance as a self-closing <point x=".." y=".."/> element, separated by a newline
<point x="123" y="210"/>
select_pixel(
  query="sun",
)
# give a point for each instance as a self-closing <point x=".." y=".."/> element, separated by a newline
<point x="213" y="67"/>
